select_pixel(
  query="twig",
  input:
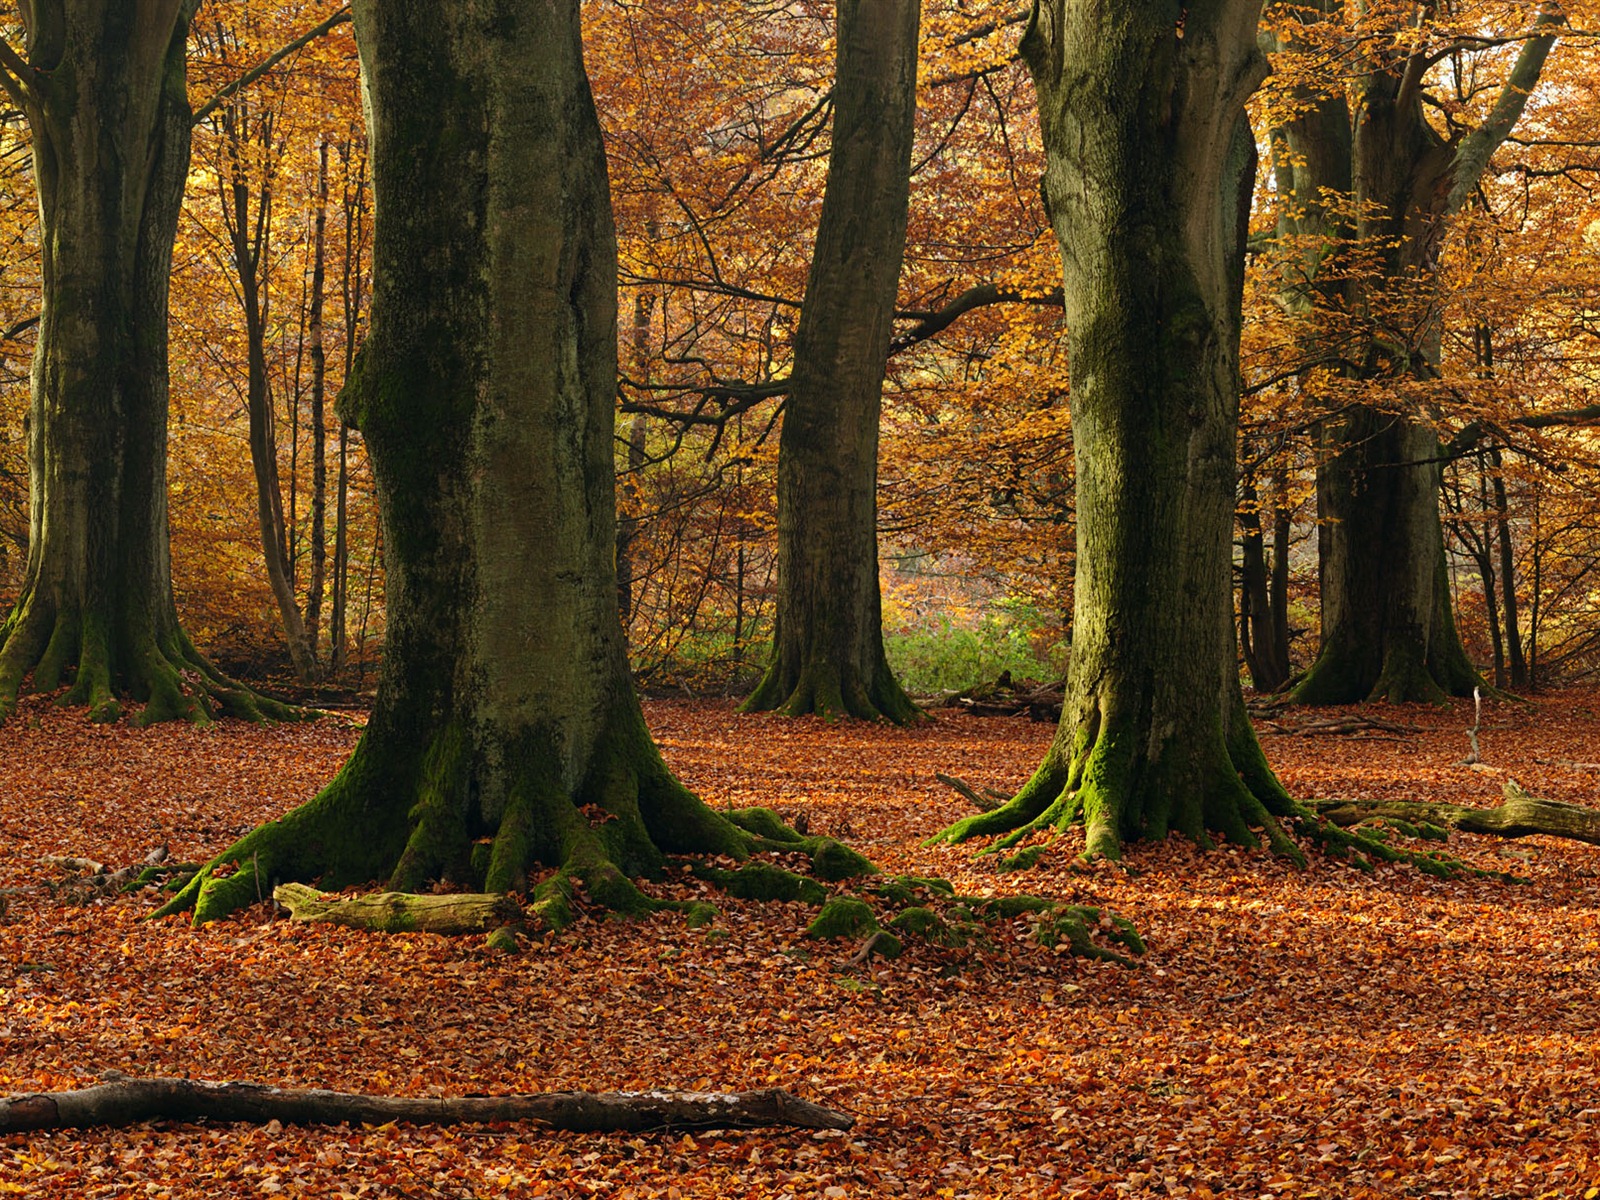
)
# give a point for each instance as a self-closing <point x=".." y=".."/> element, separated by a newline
<point x="983" y="803"/>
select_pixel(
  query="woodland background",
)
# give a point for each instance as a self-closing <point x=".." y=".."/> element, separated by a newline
<point x="717" y="123"/>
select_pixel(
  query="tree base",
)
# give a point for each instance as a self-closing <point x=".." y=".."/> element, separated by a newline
<point x="122" y="1101"/>
<point x="822" y="689"/>
<point x="1406" y="675"/>
<point x="167" y="673"/>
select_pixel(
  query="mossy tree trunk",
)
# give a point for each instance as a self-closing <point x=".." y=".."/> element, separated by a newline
<point x="828" y="655"/>
<point x="506" y="732"/>
<point x="1150" y="163"/>
<point x="102" y="84"/>
<point x="1388" y="630"/>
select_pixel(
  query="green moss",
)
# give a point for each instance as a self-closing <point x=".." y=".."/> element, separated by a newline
<point x="832" y="861"/>
<point x="928" y="925"/>
<point x="885" y="945"/>
<point x="1023" y="860"/>
<point x="764" y="823"/>
<point x="503" y="940"/>
<point x="901" y="890"/>
<point x="843" y="916"/>
<point x="700" y="915"/>
<point x="760" y="881"/>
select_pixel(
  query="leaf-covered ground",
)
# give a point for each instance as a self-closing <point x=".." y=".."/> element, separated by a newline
<point x="1296" y="1034"/>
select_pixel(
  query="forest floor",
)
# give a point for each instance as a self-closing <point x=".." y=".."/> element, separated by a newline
<point x="1316" y="1033"/>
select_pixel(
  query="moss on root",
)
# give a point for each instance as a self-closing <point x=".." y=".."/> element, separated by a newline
<point x="762" y="881"/>
<point x="843" y="916"/>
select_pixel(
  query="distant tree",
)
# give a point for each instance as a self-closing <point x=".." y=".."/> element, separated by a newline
<point x="1373" y="186"/>
<point x="827" y="650"/>
<point x="102" y="84"/>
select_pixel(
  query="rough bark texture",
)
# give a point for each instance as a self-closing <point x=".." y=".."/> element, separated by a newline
<point x="828" y="653"/>
<point x="124" y="1101"/>
<point x="1387" y="627"/>
<point x="506" y="732"/>
<point x="1149" y="169"/>
<point x="106" y="104"/>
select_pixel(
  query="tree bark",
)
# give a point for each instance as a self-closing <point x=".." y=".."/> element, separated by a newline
<point x="1388" y="631"/>
<point x="124" y="1101"/>
<point x="1150" y="163"/>
<point x="828" y="654"/>
<point x="1518" y="815"/>
<point x="400" y="912"/>
<point x="506" y="731"/>
<point x="103" y="88"/>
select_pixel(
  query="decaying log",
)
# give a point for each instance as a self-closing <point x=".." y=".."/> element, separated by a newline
<point x="1008" y="698"/>
<point x="1354" y="725"/>
<point x="1518" y="815"/>
<point x="124" y="1100"/>
<point x="401" y="912"/>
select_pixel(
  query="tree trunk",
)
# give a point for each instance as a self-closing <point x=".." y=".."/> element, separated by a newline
<point x="506" y="732"/>
<point x="1150" y="164"/>
<point x="123" y="1101"/>
<point x="827" y="654"/>
<point x="1388" y="630"/>
<point x="103" y="88"/>
<point x="1263" y="626"/>
<point x="1387" y="627"/>
<point x="1508" y="573"/>
<point x="249" y="233"/>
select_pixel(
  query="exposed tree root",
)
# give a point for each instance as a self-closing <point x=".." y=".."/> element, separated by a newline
<point x="1518" y="815"/>
<point x="822" y="688"/>
<point x="122" y="1101"/>
<point x="105" y="661"/>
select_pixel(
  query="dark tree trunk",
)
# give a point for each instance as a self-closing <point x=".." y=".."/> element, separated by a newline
<point x="827" y="654"/>
<point x="1150" y="163"/>
<point x="1387" y="627"/>
<point x="506" y="731"/>
<point x="102" y="83"/>
<point x="1263" y="594"/>
<point x="1508" y="575"/>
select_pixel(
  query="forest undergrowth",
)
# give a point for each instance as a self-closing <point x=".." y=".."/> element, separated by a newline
<point x="1318" y="1033"/>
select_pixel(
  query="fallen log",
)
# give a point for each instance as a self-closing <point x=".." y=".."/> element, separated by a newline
<point x="124" y="1100"/>
<point x="401" y="912"/>
<point x="1518" y="815"/>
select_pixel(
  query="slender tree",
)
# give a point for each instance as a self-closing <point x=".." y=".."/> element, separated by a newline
<point x="1150" y="164"/>
<point x="506" y="732"/>
<point x="827" y="648"/>
<point x="102" y="84"/>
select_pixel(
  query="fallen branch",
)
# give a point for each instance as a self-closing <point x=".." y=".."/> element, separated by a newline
<point x="1359" y="725"/>
<point x="1518" y="815"/>
<point x="400" y="912"/>
<point x="985" y="801"/>
<point x="123" y="1101"/>
<point x="1568" y="764"/>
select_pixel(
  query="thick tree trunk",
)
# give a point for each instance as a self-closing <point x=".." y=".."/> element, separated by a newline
<point x="828" y="655"/>
<point x="506" y="731"/>
<point x="106" y="103"/>
<point x="1387" y="627"/>
<point x="1149" y="170"/>
<point x="123" y="1101"/>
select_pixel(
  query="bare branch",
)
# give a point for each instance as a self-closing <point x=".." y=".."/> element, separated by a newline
<point x="272" y="60"/>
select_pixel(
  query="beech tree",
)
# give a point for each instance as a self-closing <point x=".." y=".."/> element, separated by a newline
<point x="1149" y="167"/>
<point x="827" y="646"/>
<point x="1371" y="176"/>
<point x="506" y="732"/>
<point x="103" y="88"/>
